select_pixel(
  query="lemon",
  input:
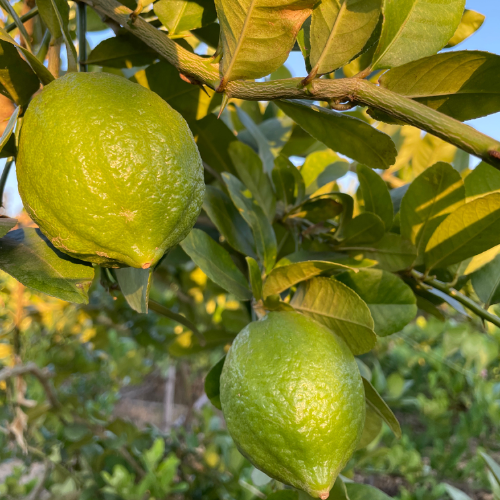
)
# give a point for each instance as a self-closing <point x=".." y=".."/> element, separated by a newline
<point x="108" y="170"/>
<point x="293" y="400"/>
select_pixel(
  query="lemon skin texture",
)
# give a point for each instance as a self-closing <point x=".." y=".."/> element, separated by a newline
<point x="293" y="400"/>
<point x="108" y="170"/>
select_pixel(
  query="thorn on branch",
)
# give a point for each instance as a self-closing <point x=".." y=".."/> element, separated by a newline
<point x="225" y="100"/>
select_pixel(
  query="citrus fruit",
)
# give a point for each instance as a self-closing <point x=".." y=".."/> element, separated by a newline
<point x="108" y="170"/>
<point x="293" y="400"/>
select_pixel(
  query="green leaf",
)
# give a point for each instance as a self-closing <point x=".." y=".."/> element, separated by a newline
<point x="390" y="300"/>
<point x="251" y="172"/>
<point x="492" y="465"/>
<point x="55" y="14"/>
<point x="338" y="258"/>
<point x="41" y="71"/>
<point x="431" y="197"/>
<point x="380" y="407"/>
<point x="284" y="495"/>
<point x="125" y="51"/>
<point x="471" y="229"/>
<point x="486" y="282"/>
<point x="403" y="39"/>
<point x="376" y="197"/>
<point x="263" y="232"/>
<point x="189" y="100"/>
<point x="339" y="308"/>
<point x="338" y="491"/>
<point x="318" y="210"/>
<point x="372" y="428"/>
<point x="262" y="144"/>
<point x="17" y="79"/>
<point x="209" y="34"/>
<point x="9" y="129"/>
<point x="255" y="277"/>
<point x="135" y="284"/>
<point x="27" y="255"/>
<point x="392" y="253"/>
<point x="6" y="224"/>
<point x="216" y="263"/>
<point x="228" y="221"/>
<point x="288" y="182"/>
<point x="458" y="84"/>
<point x="340" y="30"/>
<point x="365" y="492"/>
<point x="258" y="36"/>
<point x="213" y="138"/>
<point x="342" y="133"/>
<point x="321" y="168"/>
<point x="184" y="15"/>
<point x="363" y="229"/>
<point x="483" y="180"/>
<point x="470" y="23"/>
<point x="455" y="493"/>
<point x="304" y="43"/>
<point x="285" y="276"/>
<point x="212" y="383"/>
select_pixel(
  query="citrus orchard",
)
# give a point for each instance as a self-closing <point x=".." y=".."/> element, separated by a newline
<point x="293" y="400"/>
<point x="108" y="170"/>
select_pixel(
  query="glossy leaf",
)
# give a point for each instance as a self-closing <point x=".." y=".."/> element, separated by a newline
<point x="124" y="51"/>
<point x="390" y="300"/>
<point x="365" y="228"/>
<point x="285" y="276"/>
<point x="340" y="30"/>
<point x="228" y="220"/>
<point x="455" y="493"/>
<point x="338" y="258"/>
<point x="486" y="282"/>
<point x="483" y="180"/>
<point x="212" y="383"/>
<point x="321" y="168"/>
<point x="135" y="285"/>
<point x="27" y="255"/>
<point x="471" y="229"/>
<point x="55" y="14"/>
<point x="6" y="224"/>
<point x="392" y="253"/>
<point x="9" y="129"/>
<point x="255" y="276"/>
<point x="250" y="171"/>
<point x="288" y="182"/>
<point x="257" y="36"/>
<point x="216" y="263"/>
<point x="17" y="79"/>
<point x="336" y="306"/>
<point x="264" y="237"/>
<point x="213" y="137"/>
<point x="375" y="193"/>
<point x="41" y="71"/>
<point x="184" y="15"/>
<point x="318" y="210"/>
<point x="470" y="23"/>
<point x="364" y="492"/>
<point x="342" y="133"/>
<point x="380" y="407"/>
<point x="431" y="197"/>
<point x="459" y="84"/>
<point x="413" y="29"/>
<point x="262" y="144"/>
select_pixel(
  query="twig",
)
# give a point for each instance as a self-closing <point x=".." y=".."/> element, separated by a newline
<point x="320" y="89"/>
<point x="132" y="462"/>
<point x="43" y="376"/>
<point x="459" y="297"/>
<point x="26" y="17"/>
<point x="38" y="489"/>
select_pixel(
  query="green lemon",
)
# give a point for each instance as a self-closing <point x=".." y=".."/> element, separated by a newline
<point x="108" y="170"/>
<point x="293" y="400"/>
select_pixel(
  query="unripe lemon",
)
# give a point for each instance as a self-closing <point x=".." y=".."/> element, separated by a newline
<point x="108" y="170"/>
<point x="293" y="400"/>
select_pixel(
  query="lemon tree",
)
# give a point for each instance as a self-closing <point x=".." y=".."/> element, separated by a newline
<point x="116" y="158"/>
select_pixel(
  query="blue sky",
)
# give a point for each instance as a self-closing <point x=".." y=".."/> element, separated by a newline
<point x="487" y="39"/>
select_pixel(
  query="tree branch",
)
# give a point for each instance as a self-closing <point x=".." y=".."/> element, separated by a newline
<point x="42" y="375"/>
<point x="407" y="110"/>
<point x="459" y="297"/>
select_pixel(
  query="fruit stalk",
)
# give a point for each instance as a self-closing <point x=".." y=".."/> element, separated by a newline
<point x="353" y="90"/>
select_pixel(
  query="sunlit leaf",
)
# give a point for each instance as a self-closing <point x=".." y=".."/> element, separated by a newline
<point x="470" y="23"/>
<point x="321" y="168"/>
<point x="184" y="15"/>
<point x="483" y="180"/>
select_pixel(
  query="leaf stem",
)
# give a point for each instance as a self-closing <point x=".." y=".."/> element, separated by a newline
<point x="82" y="40"/>
<point x="18" y="23"/>
<point x="459" y="297"/>
<point x="26" y="17"/>
<point x="206" y="71"/>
